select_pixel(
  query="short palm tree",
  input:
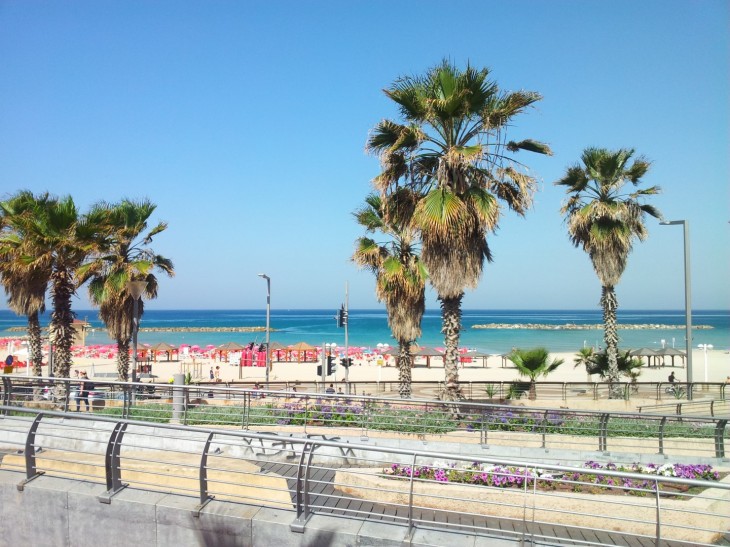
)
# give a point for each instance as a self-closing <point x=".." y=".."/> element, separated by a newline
<point x="605" y="220"/>
<point x="452" y="149"/>
<point x="533" y="363"/>
<point x="597" y="363"/>
<point x="124" y="257"/>
<point x="400" y="277"/>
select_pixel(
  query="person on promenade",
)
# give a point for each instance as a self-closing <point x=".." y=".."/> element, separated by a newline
<point x="330" y="390"/>
<point x="211" y="373"/>
<point x="217" y="374"/>
<point x="671" y="378"/>
<point x="83" y="394"/>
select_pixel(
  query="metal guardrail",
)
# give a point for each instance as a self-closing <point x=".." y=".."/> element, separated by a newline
<point x="710" y="407"/>
<point x="561" y="434"/>
<point x="318" y="475"/>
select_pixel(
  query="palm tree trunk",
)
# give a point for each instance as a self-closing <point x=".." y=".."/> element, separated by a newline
<point x="123" y="359"/>
<point x="451" y="326"/>
<point x="62" y="318"/>
<point x="405" y="362"/>
<point x="609" y="302"/>
<point x="34" y="341"/>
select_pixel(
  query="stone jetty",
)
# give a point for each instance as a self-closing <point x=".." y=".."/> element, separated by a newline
<point x="574" y="326"/>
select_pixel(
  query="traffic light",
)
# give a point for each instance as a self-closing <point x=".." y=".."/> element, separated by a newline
<point x="331" y="366"/>
<point x="319" y="370"/>
<point x="341" y="317"/>
<point x="346" y="362"/>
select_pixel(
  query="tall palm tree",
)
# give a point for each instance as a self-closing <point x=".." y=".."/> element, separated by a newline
<point x="124" y="257"/>
<point x="400" y="276"/>
<point x="58" y="239"/>
<point x="24" y="283"/>
<point x="452" y="148"/>
<point x="533" y="363"/>
<point x="605" y="220"/>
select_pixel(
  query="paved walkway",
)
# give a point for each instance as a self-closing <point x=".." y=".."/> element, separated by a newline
<point x="325" y="499"/>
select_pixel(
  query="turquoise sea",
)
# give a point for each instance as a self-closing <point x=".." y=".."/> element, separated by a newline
<point x="370" y="327"/>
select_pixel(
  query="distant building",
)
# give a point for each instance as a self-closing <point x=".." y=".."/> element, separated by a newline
<point x="81" y="328"/>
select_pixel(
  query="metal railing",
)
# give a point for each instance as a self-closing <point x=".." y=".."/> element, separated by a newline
<point x="312" y="474"/>
<point x="556" y="433"/>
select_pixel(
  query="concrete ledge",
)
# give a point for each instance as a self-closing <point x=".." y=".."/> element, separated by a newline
<point x="66" y="513"/>
<point x="228" y="478"/>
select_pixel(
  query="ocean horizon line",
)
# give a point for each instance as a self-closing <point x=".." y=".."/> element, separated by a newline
<point x="433" y="310"/>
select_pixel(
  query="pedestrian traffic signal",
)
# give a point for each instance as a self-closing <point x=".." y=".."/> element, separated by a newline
<point x="331" y="366"/>
<point x="319" y="370"/>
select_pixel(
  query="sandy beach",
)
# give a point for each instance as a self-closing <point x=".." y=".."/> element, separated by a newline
<point x="718" y="369"/>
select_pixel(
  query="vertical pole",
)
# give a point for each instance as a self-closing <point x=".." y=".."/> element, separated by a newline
<point x="324" y="366"/>
<point x="135" y="312"/>
<point x="688" y="304"/>
<point x="268" y="329"/>
<point x="50" y="358"/>
<point x="347" y="353"/>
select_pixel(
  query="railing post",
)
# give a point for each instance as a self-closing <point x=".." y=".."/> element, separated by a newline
<point x="179" y="399"/>
<point x="484" y="431"/>
<point x="364" y="422"/>
<point x="302" y="489"/>
<point x="720" y="438"/>
<point x="246" y="417"/>
<point x="544" y="428"/>
<point x="658" y="537"/>
<point x="31" y="471"/>
<point x="306" y="413"/>
<point x="126" y="401"/>
<point x="424" y="424"/>
<point x="112" y="463"/>
<point x="7" y="386"/>
<point x="603" y="433"/>
<point x="205" y="498"/>
<point x="409" y="532"/>
<point x="662" y="425"/>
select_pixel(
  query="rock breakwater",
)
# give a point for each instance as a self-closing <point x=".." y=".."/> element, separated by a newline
<point x="574" y="326"/>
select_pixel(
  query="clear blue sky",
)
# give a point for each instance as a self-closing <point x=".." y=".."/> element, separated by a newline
<point x="245" y="122"/>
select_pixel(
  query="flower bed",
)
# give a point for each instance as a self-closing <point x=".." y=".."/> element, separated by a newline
<point x="507" y="493"/>
<point x="513" y="477"/>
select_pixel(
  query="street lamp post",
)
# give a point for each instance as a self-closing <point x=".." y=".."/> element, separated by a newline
<point x="268" y="325"/>
<point x="135" y="288"/>
<point x="687" y="294"/>
<point x="704" y="348"/>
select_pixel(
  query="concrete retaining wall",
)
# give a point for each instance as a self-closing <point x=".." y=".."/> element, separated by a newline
<point x="60" y="512"/>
